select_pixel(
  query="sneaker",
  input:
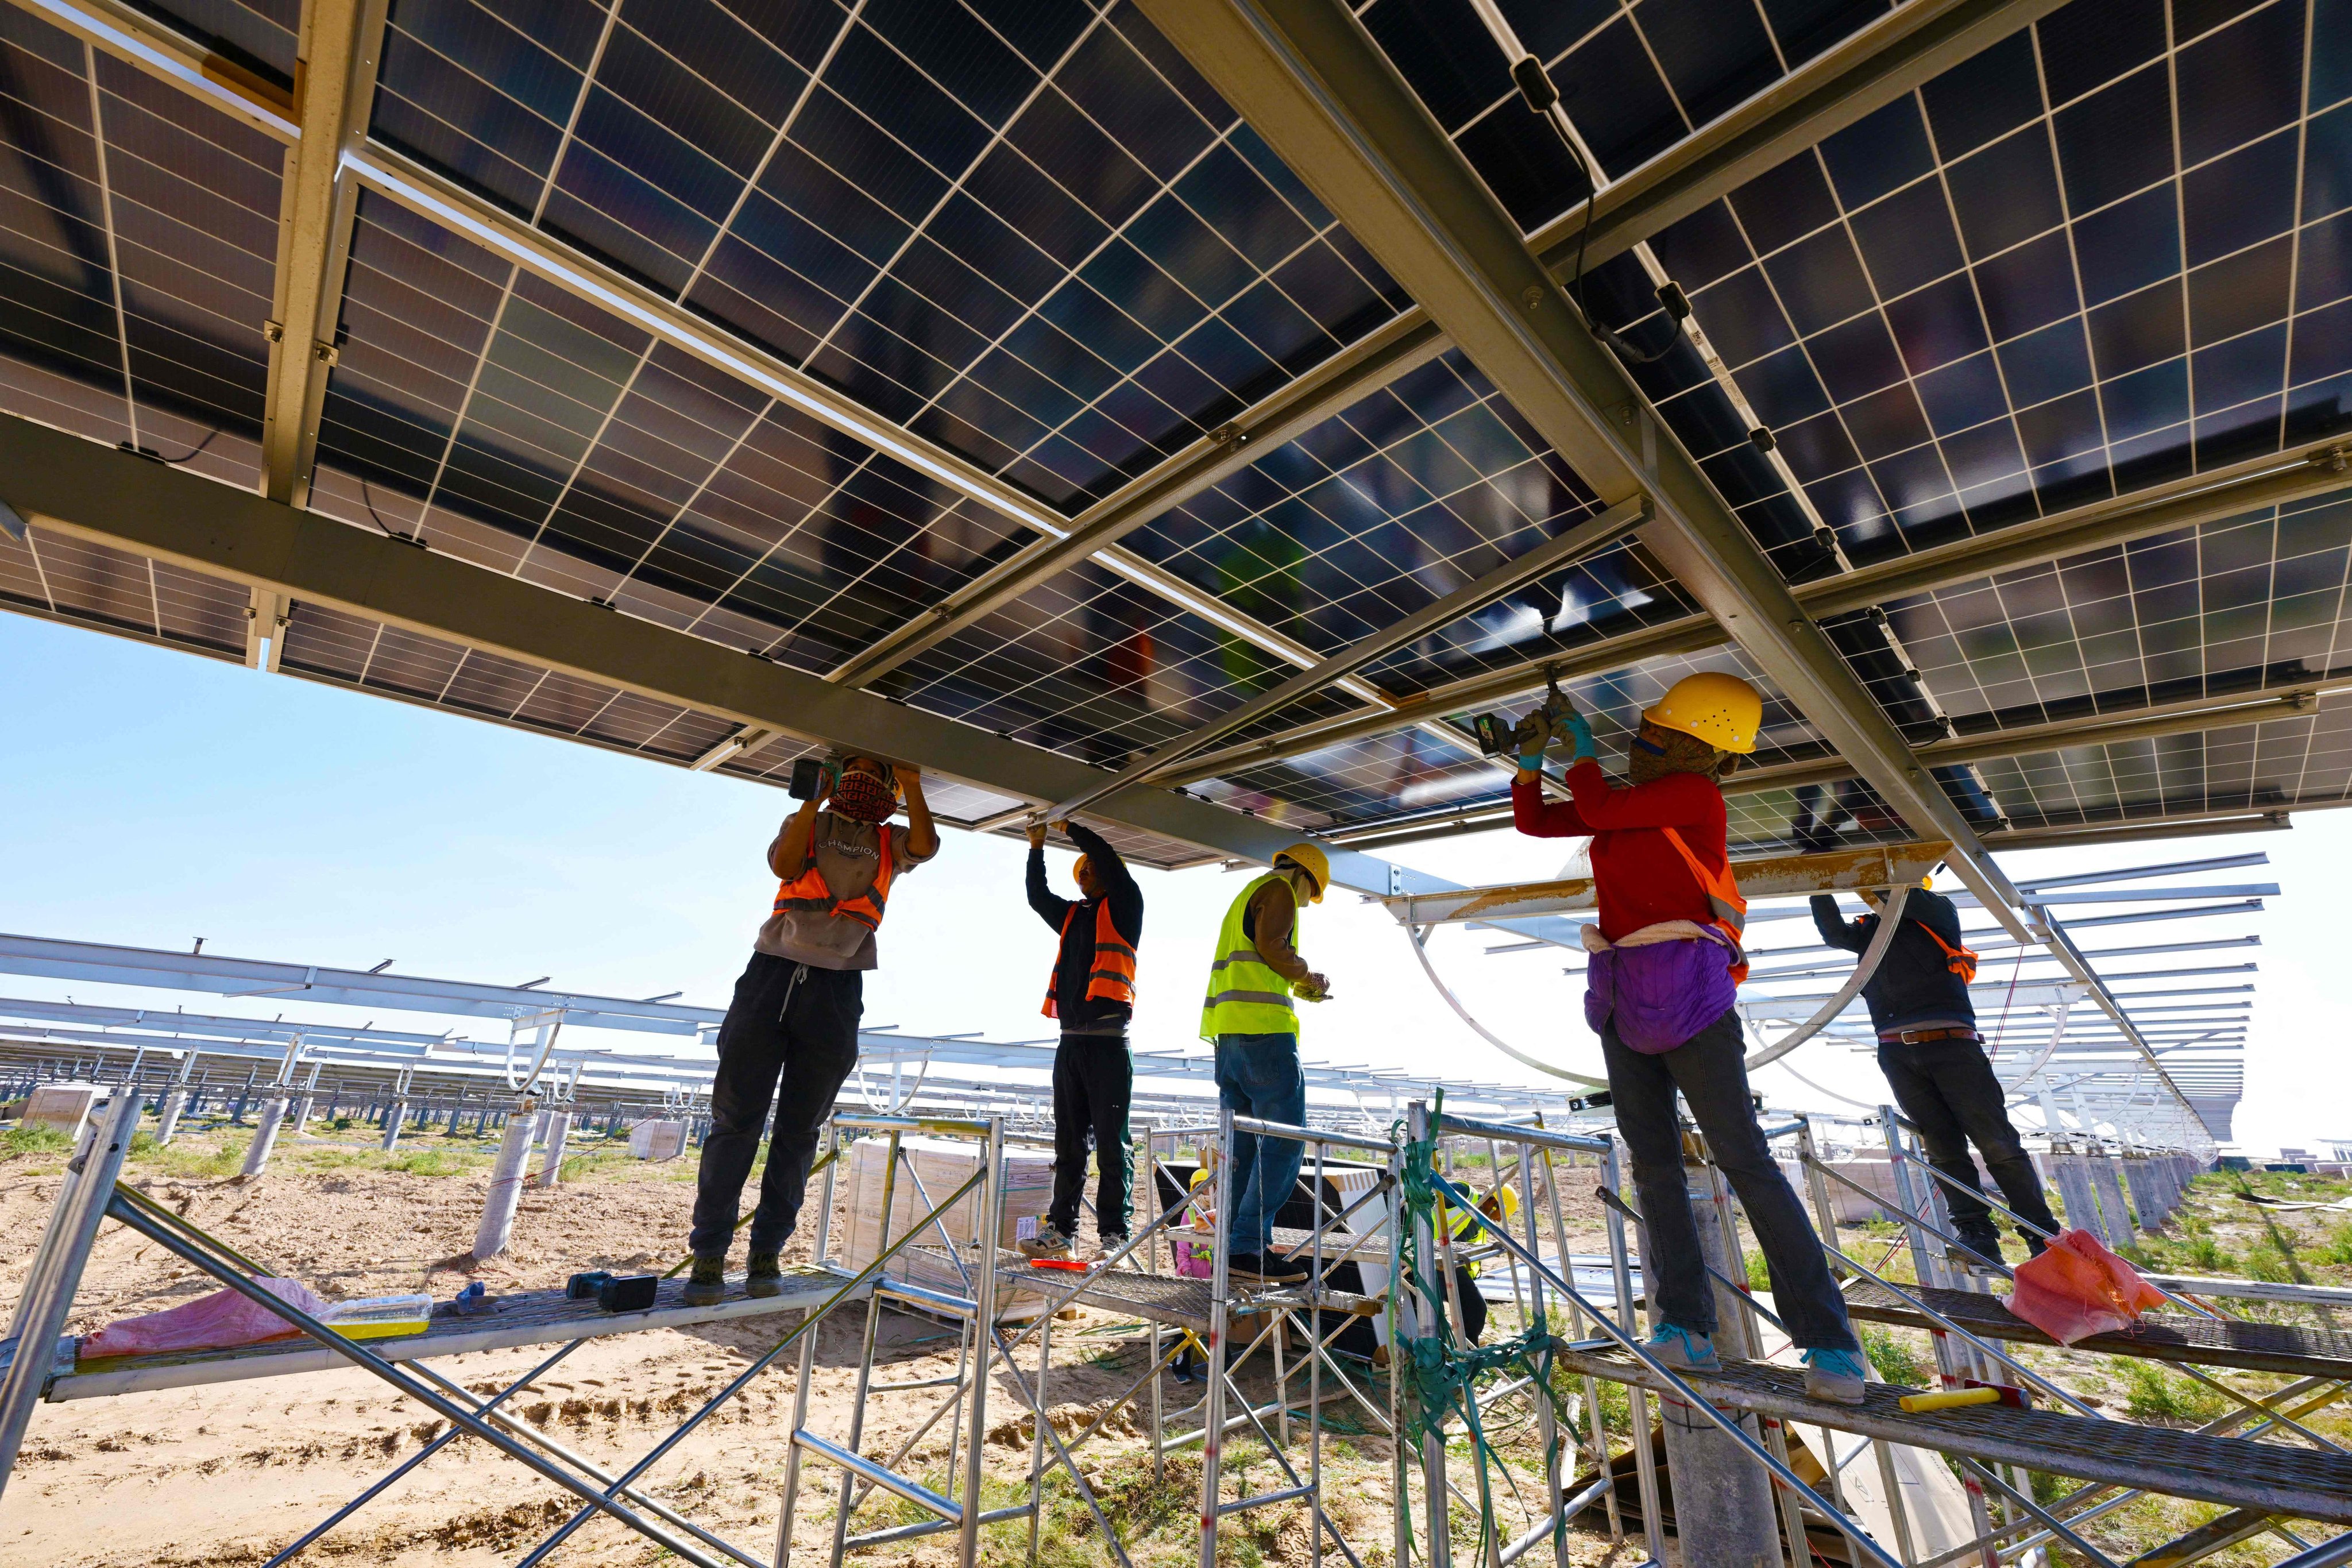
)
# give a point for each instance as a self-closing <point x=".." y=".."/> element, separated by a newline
<point x="2034" y="1246"/>
<point x="1051" y="1241"/>
<point x="766" y="1275"/>
<point x="707" y="1286"/>
<point x="1835" y="1377"/>
<point x="1262" y="1268"/>
<point x="1983" y="1239"/>
<point x="1683" y="1350"/>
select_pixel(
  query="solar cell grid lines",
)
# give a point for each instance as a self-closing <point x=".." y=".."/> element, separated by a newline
<point x="1032" y="236"/>
<point x="2101" y="254"/>
<point x="137" y="247"/>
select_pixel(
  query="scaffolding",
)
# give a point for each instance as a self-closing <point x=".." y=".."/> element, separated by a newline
<point x="1543" y="1449"/>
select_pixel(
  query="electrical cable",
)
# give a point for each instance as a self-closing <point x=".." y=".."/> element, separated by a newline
<point x="1890" y="920"/>
<point x="1421" y="951"/>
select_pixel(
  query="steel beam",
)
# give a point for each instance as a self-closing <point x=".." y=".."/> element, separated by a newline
<point x="2250" y="486"/>
<point x="1880" y="866"/>
<point x="335" y="78"/>
<point x="75" y="487"/>
<point x="1310" y="80"/>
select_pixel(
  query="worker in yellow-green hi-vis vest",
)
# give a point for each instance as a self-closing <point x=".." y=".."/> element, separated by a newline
<point x="1247" y="1015"/>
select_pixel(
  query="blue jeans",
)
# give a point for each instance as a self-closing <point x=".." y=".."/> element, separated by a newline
<point x="1259" y="1075"/>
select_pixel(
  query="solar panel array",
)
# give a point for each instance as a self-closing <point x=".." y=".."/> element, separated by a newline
<point x="2111" y="249"/>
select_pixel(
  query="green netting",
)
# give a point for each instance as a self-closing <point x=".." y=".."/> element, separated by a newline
<point x="1441" y="1373"/>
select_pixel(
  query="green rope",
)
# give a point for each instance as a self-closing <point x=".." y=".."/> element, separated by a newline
<point x="1442" y="1372"/>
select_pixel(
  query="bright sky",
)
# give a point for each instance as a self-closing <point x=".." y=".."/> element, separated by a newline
<point x="149" y="797"/>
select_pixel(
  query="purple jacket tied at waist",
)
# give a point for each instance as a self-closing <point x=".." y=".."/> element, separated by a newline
<point x="1662" y="991"/>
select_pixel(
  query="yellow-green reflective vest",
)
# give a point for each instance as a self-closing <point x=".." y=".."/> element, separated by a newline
<point x="1245" y="996"/>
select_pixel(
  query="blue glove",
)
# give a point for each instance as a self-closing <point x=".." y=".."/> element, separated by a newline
<point x="1580" y="731"/>
<point x="1533" y="764"/>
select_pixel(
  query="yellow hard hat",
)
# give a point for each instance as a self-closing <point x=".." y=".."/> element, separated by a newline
<point x="1508" y="1197"/>
<point x="1311" y="858"/>
<point x="1721" y="709"/>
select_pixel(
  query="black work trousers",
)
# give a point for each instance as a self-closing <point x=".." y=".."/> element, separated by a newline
<point x="1709" y="1070"/>
<point x="788" y="1022"/>
<point x="1094" y="1079"/>
<point x="1947" y="1088"/>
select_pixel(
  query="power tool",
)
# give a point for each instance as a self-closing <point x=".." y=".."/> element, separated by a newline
<point x="1535" y="732"/>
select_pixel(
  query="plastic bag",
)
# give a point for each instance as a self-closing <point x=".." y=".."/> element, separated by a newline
<point x="219" y="1322"/>
<point x="2077" y="1289"/>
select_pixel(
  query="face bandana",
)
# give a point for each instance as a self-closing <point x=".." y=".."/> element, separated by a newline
<point x="1677" y="753"/>
<point x="864" y="797"/>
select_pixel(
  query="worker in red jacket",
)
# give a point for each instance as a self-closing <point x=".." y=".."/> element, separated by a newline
<point x="1665" y="966"/>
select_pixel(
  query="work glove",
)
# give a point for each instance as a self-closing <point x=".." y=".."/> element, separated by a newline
<point x="1533" y="734"/>
<point x="1580" y="730"/>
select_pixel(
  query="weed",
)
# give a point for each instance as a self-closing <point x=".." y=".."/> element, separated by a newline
<point x="1894" y="1359"/>
<point x="2338" y="1247"/>
<point x="1760" y="1276"/>
<point x="34" y="1140"/>
<point x="2152" y="1394"/>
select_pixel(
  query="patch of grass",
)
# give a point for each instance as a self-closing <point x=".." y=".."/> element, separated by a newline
<point x="2267" y="1261"/>
<point x="1760" y="1276"/>
<point x="578" y="1167"/>
<point x="1894" y="1358"/>
<point x="2338" y="1247"/>
<point x="2152" y="1394"/>
<point x="2207" y="1256"/>
<point x="34" y="1140"/>
<point x="203" y="1164"/>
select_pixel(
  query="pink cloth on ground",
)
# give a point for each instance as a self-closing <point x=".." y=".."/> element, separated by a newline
<point x="221" y="1321"/>
<point x="2078" y="1287"/>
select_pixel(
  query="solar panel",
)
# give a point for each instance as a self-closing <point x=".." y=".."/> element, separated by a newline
<point x="1030" y="234"/>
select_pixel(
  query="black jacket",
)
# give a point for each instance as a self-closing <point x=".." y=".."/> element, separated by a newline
<point x="1915" y="987"/>
<point x="1080" y="1015"/>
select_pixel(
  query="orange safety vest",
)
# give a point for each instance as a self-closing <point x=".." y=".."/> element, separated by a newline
<point x="808" y="890"/>
<point x="1111" y="977"/>
<point x="1729" y="910"/>
<point x="1959" y="960"/>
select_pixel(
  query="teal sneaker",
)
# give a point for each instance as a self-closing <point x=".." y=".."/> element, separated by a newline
<point x="1835" y="1377"/>
<point x="1683" y="1350"/>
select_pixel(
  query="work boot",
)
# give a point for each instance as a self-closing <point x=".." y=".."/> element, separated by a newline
<point x="1262" y="1268"/>
<point x="1684" y="1349"/>
<point x="2034" y="1246"/>
<point x="1109" y="1244"/>
<point x="707" y="1286"/>
<point x="766" y="1276"/>
<point x="1835" y="1377"/>
<point x="1980" y="1238"/>
<point x="1051" y="1241"/>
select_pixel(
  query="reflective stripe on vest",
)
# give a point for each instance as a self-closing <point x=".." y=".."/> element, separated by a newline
<point x="1110" y="977"/>
<point x="1728" y="909"/>
<point x="1245" y="995"/>
<point x="1959" y="960"/>
<point x="807" y="892"/>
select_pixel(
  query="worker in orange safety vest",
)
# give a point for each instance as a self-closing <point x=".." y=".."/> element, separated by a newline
<point x="1091" y="994"/>
<point x="789" y="1037"/>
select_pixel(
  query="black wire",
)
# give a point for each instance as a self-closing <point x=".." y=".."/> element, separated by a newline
<point x="371" y="512"/>
<point x="1616" y="341"/>
<point x="199" y="448"/>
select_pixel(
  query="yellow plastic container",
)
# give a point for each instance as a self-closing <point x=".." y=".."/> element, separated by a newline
<point x="381" y="1317"/>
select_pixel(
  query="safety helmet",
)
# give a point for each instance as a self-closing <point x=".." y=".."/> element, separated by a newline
<point x="1721" y="709"/>
<point x="1310" y="859"/>
<point x="1508" y="1197"/>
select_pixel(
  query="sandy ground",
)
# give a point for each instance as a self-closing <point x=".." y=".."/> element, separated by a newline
<point x="233" y="1472"/>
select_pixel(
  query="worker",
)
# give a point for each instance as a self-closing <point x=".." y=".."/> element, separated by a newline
<point x="1091" y="992"/>
<point x="795" y="1013"/>
<point x="1247" y="1015"/>
<point x="1665" y="965"/>
<point x="1935" y="1060"/>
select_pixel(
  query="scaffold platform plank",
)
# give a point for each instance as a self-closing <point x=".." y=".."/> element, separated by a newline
<point x="1183" y="1302"/>
<point x="2293" y="1481"/>
<point x="524" y="1318"/>
<point x="2230" y="1342"/>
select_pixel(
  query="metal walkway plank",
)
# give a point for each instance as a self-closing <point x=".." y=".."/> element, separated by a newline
<point x="524" y="1318"/>
<point x="2230" y="1343"/>
<point x="2295" y="1482"/>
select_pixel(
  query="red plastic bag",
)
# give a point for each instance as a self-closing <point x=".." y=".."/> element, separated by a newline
<point x="219" y="1322"/>
<point x="2077" y="1289"/>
